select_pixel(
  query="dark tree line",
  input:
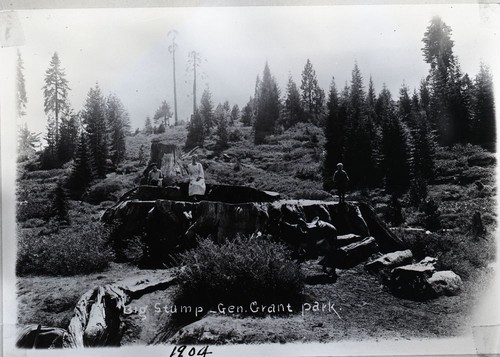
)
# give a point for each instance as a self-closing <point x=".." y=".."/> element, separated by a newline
<point x="207" y="121"/>
<point x="103" y="123"/>
<point x="101" y="141"/>
<point x="384" y="141"/>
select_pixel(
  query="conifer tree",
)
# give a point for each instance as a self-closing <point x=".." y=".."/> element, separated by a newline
<point x="360" y="133"/>
<point x="163" y="114"/>
<point x="404" y="104"/>
<point x="59" y="207"/>
<point x="438" y="52"/>
<point x="21" y="98"/>
<point x="81" y="173"/>
<point x="55" y="93"/>
<point x="68" y="138"/>
<point x="196" y="130"/>
<point x="268" y="107"/>
<point x="118" y="124"/>
<point x="48" y="158"/>
<point x="148" y="128"/>
<point x="235" y="114"/>
<point x="334" y="137"/>
<point x="247" y="113"/>
<point x="371" y="101"/>
<point x="312" y="95"/>
<point x="26" y="143"/>
<point x="483" y="107"/>
<point x="94" y="119"/>
<point x="222" y="116"/>
<point x="207" y="111"/>
<point x="395" y="149"/>
<point x="293" y="111"/>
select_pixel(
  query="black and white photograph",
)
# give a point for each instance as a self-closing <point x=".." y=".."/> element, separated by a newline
<point x="220" y="179"/>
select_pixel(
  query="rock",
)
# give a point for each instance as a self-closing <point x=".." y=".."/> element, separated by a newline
<point x="347" y="239"/>
<point x="445" y="282"/>
<point x="411" y="281"/>
<point x="389" y="261"/>
<point x="355" y="253"/>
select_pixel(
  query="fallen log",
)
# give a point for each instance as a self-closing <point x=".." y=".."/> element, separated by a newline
<point x="355" y="253"/>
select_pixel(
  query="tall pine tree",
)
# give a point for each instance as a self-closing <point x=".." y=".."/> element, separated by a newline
<point x="293" y="111"/>
<point x="484" y="128"/>
<point x="313" y="96"/>
<point x="207" y="111"/>
<point x="94" y="120"/>
<point x="55" y="93"/>
<point x="118" y="124"/>
<point x="81" y="174"/>
<point x="268" y="106"/>
<point x="21" y="98"/>
<point x="196" y="131"/>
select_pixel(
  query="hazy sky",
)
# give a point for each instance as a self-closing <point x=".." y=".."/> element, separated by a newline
<point x="126" y="50"/>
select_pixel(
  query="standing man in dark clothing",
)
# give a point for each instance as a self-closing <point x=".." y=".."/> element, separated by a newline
<point x="340" y="179"/>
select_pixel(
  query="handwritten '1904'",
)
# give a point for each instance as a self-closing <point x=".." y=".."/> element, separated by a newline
<point x="193" y="351"/>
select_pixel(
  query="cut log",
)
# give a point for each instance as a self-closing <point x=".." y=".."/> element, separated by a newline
<point x="389" y="261"/>
<point x="97" y="317"/>
<point x="347" y="239"/>
<point x="355" y="253"/>
<point x="79" y="321"/>
<point x="135" y="289"/>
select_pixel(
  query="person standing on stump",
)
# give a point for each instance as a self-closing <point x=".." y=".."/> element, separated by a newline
<point x="340" y="179"/>
<point x="196" y="179"/>
<point x="155" y="176"/>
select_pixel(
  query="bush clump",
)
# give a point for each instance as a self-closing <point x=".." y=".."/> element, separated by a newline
<point x="64" y="252"/>
<point x="239" y="272"/>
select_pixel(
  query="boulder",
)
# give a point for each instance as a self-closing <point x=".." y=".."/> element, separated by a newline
<point x="355" y="253"/>
<point x="445" y="282"/>
<point x="347" y="239"/>
<point x="411" y="281"/>
<point x="389" y="261"/>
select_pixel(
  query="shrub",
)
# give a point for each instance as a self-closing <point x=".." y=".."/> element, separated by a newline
<point x="65" y="252"/>
<point x="308" y="172"/>
<point x="103" y="191"/>
<point x="38" y="208"/>
<point x="454" y="251"/>
<point x="235" y="135"/>
<point x="238" y="272"/>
